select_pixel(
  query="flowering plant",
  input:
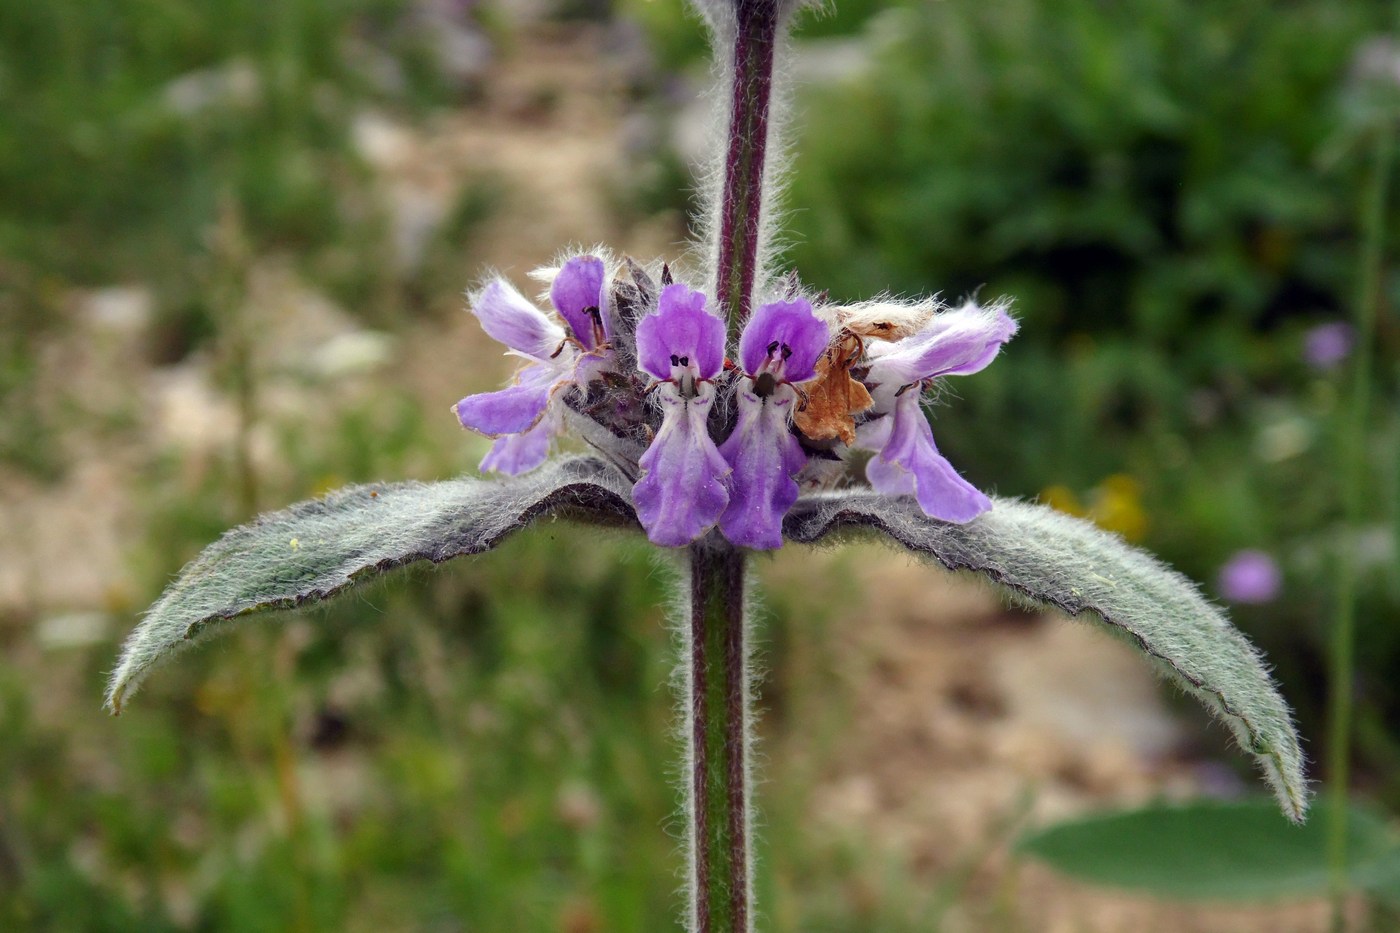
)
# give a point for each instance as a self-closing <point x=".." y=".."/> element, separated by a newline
<point x="724" y="412"/>
<point x="649" y="366"/>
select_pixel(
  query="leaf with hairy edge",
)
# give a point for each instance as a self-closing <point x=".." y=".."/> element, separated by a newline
<point x="1055" y="560"/>
<point x="316" y="549"/>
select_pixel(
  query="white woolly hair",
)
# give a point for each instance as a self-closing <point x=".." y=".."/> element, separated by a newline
<point x="612" y="267"/>
<point x="679" y="614"/>
<point x="317" y="549"/>
<point x="545" y="274"/>
<point x="884" y="306"/>
<point x="719" y="17"/>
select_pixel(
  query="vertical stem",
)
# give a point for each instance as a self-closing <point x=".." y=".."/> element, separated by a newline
<point x="741" y="206"/>
<point x="229" y="251"/>
<point x="717" y="704"/>
<point x="1353" y="477"/>
<point x="716" y="655"/>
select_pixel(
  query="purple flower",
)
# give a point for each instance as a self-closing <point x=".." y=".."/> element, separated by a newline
<point x="520" y="417"/>
<point x="798" y="384"/>
<point x="955" y="342"/>
<point x="780" y="347"/>
<point x="682" y="492"/>
<point x="1250" y="576"/>
<point x="1327" y="345"/>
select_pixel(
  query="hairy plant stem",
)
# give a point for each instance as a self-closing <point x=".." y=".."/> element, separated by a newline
<point x="716" y="661"/>
<point x="717" y="738"/>
<point x="1353" y="477"/>
<point x="741" y="205"/>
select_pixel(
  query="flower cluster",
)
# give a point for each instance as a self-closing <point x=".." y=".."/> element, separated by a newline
<point x="714" y="438"/>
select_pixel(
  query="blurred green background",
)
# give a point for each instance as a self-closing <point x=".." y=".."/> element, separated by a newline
<point x="233" y="242"/>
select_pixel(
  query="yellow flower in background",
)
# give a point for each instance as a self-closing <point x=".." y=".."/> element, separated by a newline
<point x="1063" y="499"/>
<point x="1115" y="504"/>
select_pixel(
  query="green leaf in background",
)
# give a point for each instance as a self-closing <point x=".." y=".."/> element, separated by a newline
<point x="1382" y="880"/>
<point x="1212" y="850"/>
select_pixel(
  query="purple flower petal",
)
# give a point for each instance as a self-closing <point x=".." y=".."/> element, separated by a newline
<point x="682" y="490"/>
<point x="956" y="342"/>
<point x="765" y="457"/>
<point x="577" y="293"/>
<point x="1250" y="576"/>
<point x="798" y="338"/>
<point x="1327" y="345"/>
<point x="680" y="327"/>
<point x="519" y="453"/>
<point x="511" y="410"/>
<point x="875" y="434"/>
<point x="908" y="463"/>
<point x="509" y="318"/>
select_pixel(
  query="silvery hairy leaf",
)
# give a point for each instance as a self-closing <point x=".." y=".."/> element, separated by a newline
<point x="316" y="549"/>
<point x="1054" y="560"/>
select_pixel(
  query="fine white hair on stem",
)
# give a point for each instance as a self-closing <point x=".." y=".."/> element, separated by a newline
<point x="719" y="16"/>
<point x="681" y="614"/>
<point x="752" y="676"/>
<point x="678" y="604"/>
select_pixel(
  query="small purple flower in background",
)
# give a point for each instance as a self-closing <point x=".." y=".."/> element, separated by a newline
<point x="778" y="350"/>
<point x="1250" y="576"/>
<point x="955" y="342"/>
<point x="682" y="491"/>
<point x="520" y="417"/>
<point x="1326" y="346"/>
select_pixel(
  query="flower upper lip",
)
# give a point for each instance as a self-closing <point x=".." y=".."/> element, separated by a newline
<point x="577" y="293"/>
<point x="784" y="338"/>
<point x="520" y="416"/>
<point x="956" y="342"/>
